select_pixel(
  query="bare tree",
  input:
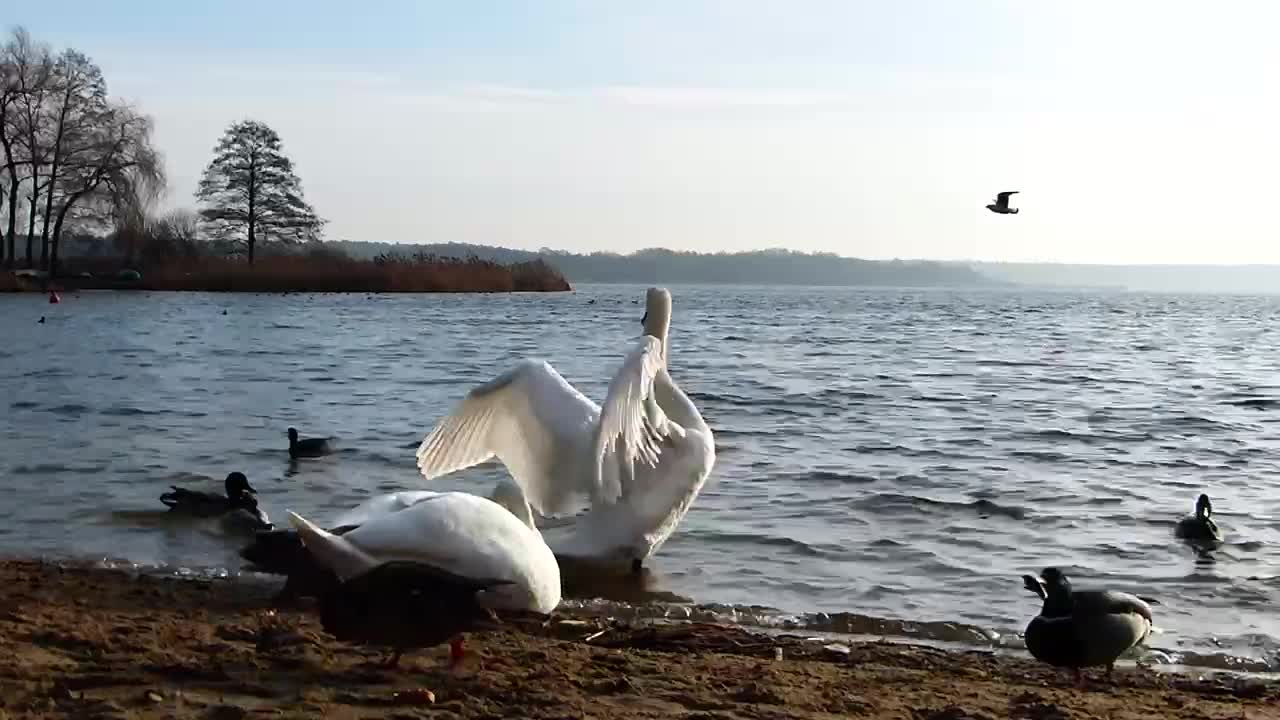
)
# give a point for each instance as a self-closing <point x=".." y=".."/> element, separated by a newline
<point x="23" y="74"/>
<point x="111" y="170"/>
<point x="250" y="192"/>
<point x="78" y="109"/>
<point x="33" y="70"/>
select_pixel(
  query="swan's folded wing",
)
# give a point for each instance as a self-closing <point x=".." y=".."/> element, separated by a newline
<point x="631" y="426"/>
<point x="531" y="419"/>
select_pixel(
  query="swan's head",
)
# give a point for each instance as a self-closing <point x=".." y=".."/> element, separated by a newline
<point x="657" y="313"/>
<point x="510" y="495"/>
<point x="1204" y="508"/>
<point x="238" y="486"/>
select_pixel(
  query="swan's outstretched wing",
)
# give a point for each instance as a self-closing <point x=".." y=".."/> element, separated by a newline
<point x="1003" y="198"/>
<point x="533" y="420"/>
<point x="632" y="426"/>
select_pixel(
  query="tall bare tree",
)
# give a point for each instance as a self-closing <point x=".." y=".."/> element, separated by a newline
<point x="25" y="70"/>
<point x="78" y="111"/>
<point x="250" y="192"/>
<point x="34" y="70"/>
<point x="112" y="168"/>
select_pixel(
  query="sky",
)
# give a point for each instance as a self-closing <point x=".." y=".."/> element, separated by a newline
<point x="1135" y="131"/>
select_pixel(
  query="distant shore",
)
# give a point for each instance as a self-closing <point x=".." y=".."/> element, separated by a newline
<point x="298" y="274"/>
<point x="94" y="642"/>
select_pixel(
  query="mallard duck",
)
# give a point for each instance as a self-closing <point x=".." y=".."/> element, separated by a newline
<point x="239" y="497"/>
<point x="407" y="605"/>
<point x="308" y="447"/>
<point x="1083" y="628"/>
<point x="1200" y="528"/>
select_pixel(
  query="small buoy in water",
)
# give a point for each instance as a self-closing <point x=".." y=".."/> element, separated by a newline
<point x="53" y="298"/>
<point x="224" y="312"/>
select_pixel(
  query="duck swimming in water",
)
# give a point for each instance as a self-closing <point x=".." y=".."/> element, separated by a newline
<point x="1200" y="528"/>
<point x="308" y="447"/>
<point x="240" y="496"/>
<point x="1083" y="628"/>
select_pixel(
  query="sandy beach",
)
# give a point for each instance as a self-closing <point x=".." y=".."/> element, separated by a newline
<point x="103" y="643"/>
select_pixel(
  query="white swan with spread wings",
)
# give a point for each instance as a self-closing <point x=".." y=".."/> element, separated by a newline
<point x="641" y="459"/>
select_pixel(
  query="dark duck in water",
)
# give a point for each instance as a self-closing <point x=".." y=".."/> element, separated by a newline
<point x="407" y="605"/>
<point x="1083" y="628"/>
<point x="1200" y="528"/>
<point x="308" y="447"/>
<point x="240" y="496"/>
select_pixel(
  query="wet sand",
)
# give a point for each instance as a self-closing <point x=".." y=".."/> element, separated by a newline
<point x="97" y="643"/>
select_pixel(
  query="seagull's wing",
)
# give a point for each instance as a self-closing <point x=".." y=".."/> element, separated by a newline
<point x="1003" y="198"/>
<point x="632" y="427"/>
<point x="533" y="420"/>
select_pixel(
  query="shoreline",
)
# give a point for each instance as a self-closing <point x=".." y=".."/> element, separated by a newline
<point x="293" y="273"/>
<point x="101" y="642"/>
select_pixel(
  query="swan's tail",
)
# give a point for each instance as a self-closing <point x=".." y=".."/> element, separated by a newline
<point x="331" y="551"/>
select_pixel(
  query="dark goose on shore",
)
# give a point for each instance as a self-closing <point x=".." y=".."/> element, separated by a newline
<point x="405" y="606"/>
<point x="1083" y="628"/>
<point x="308" y="447"/>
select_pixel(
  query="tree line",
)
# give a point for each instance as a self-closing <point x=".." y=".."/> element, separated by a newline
<point x="755" y="267"/>
<point x="77" y="161"/>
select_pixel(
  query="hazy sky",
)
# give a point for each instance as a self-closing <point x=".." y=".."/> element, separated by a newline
<point x="1136" y="131"/>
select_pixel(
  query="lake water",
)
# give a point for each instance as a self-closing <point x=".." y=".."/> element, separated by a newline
<point x="894" y="459"/>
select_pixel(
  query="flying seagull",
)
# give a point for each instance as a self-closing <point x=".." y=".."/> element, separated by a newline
<point x="1001" y="205"/>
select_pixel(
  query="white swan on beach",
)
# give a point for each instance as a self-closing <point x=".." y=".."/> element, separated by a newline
<point x="640" y="460"/>
<point x="468" y="535"/>
<point x="380" y="505"/>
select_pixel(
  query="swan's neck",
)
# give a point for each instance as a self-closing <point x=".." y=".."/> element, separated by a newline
<point x="677" y="406"/>
<point x="657" y="317"/>
<point x="511" y="496"/>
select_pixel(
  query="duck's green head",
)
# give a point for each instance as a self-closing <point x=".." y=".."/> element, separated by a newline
<point x="238" y="487"/>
